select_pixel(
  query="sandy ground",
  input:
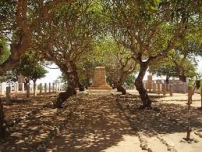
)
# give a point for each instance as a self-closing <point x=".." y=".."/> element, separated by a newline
<point x="176" y="98"/>
<point x="108" y="122"/>
<point x="112" y="132"/>
<point x="174" y="139"/>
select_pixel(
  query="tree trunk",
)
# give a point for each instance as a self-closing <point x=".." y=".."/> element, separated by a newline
<point x="28" y="90"/>
<point x="121" y="89"/>
<point x="34" y="81"/>
<point x="140" y="87"/>
<point x="182" y="78"/>
<point x="167" y="79"/>
<point x="119" y="83"/>
<point x="76" y="77"/>
<point x="27" y="87"/>
<point x="24" y="38"/>
<point x="57" y="103"/>
<point x="81" y="87"/>
<point x="2" y="128"/>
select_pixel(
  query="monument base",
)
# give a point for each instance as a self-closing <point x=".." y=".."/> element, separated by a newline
<point x="102" y="87"/>
<point x="99" y="80"/>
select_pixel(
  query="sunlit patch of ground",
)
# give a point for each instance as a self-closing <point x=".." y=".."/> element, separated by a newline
<point x="102" y="122"/>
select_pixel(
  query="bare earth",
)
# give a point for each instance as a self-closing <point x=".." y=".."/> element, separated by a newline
<point x="106" y="122"/>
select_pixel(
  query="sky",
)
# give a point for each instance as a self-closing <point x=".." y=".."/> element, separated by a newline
<point x="51" y="76"/>
<point x="200" y="64"/>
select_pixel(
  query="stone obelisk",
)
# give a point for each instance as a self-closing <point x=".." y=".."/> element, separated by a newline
<point x="99" y="80"/>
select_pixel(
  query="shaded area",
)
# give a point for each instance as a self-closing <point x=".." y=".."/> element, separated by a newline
<point x="163" y="119"/>
<point x="92" y="122"/>
<point x="21" y="105"/>
<point x="95" y="125"/>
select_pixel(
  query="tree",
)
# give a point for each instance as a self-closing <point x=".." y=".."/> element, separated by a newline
<point x="184" y="55"/>
<point x="177" y="67"/>
<point x="31" y="69"/>
<point x="19" y="20"/>
<point x="38" y="72"/>
<point x="86" y="69"/>
<point x="184" y="68"/>
<point x="3" y="51"/>
<point x="69" y="35"/>
<point x="14" y="27"/>
<point x="150" y="29"/>
<point x="117" y="60"/>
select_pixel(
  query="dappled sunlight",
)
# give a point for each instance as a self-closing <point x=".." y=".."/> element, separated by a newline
<point x="99" y="122"/>
<point x="93" y="127"/>
<point x="167" y="120"/>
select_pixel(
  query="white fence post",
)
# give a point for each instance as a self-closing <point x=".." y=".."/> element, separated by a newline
<point x="16" y="87"/>
<point x="3" y="88"/>
<point x="23" y="87"/>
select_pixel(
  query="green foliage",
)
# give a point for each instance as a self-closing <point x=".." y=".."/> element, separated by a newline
<point x="62" y="79"/>
<point x="30" y="67"/>
<point x="163" y="68"/>
<point x="151" y="32"/>
<point x="86" y="70"/>
<point x="37" y="72"/>
<point x="8" y="76"/>
<point x="71" y="31"/>
<point x="130" y="80"/>
<point x="174" y="67"/>
<point x="7" y="9"/>
<point x="4" y="51"/>
<point x="116" y="58"/>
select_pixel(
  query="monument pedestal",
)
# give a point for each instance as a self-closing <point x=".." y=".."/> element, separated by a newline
<point x="99" y="80"/>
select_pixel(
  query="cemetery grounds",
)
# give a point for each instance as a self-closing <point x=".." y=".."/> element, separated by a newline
<point x="106" y="122"/>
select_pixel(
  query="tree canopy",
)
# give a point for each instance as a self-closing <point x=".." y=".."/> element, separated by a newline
<point x="66" y="32"/>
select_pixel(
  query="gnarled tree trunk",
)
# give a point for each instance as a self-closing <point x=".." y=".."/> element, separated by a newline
<point x="182" y="78"/>
<point x="81" y="87"/>
<point x="121" y="89"/>
<point x="76" y="77"/>
<point x="140" y="86"/>
<point x="73" y="82"/>
<point x="167" y="79"/>
<point x="63" y="96"/>
<point x="122" y="78"/>
<point x="17" y="49"/>
<point x="34" y="87"/>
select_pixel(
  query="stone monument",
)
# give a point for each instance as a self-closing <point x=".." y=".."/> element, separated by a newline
<point x="99" y="80"/>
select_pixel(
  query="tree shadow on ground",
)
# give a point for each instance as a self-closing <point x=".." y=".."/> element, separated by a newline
<point x="170" y="118"/>
<point x="97" y="124"/>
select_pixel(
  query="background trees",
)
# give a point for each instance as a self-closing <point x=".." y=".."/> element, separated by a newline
<point x="178" y="67"/>
<point x="117" y="60"/>
<point x="150" y="30"/>
<point x="31" y="68"/>
<point x="69" y="35"/>
<point x="4" y="51"/>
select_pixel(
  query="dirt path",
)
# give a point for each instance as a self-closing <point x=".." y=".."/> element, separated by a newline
<point x="97" y="125"/>
<point x="102" y="123"/>
<point x="165" y="129"/>
<point x="106" y="123"/>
